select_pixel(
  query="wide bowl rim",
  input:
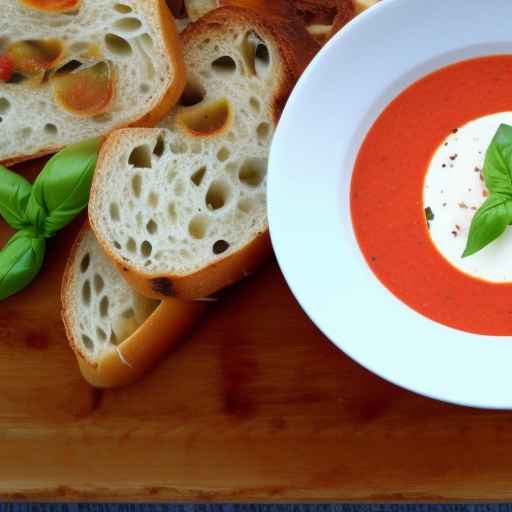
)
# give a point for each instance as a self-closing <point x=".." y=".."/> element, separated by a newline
<point x="471" y="368"/>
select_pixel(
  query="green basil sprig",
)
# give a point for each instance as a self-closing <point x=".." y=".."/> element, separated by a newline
<point x="492" y="218"/>
<point x="61" y="191"/>
<point x="38" y="211"/>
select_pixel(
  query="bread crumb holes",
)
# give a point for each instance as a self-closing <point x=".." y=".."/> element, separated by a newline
<point x="146" y="249"/>
<point x="127" y="25"/>
<point x="262" y="132"/>
<point x="101" y="334"/>
<point x="192" y="95"/>
<point x="87" y="343"/>
<point x="114" y="212"/>
<point x="136" y="184"/>
<point x="84" y="264"/>
<point x="86" y="293"/>
<point x="223" y="154"/>
<point x="220" y="246"/>
<point x="224" y="65"/>
<point x="140" y="157"/>
<point x="104" y="307"/>
<point x="117" y="45"/>
<point x="159" y="148"/>
<point x="253" y="172"/>
<point x="122" y="8"/>
<point x="5" y="105"/>
<point x="151" y="227"/>
<point x="99" y="284"/>
<point x="198" y="176"/>
<point x="198" y="226"/>
<point x="218" y="195"/>
<point x="131" y="245"/>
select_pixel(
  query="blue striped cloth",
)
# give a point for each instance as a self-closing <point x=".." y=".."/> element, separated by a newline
<point x="251" y="508"/>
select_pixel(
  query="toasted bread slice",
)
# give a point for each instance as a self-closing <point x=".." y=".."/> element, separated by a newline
<point x="183" y="208"/>
<point x="197" y="8"/>
<point x="72" y="76"/>
<point x="322" y="18"/>
<point x="362" y="5"/>
<point x="285" y="8"/>
<point x="116" y="334"/>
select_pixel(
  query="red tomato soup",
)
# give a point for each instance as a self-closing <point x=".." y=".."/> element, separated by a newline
<point x="387" y="195"/>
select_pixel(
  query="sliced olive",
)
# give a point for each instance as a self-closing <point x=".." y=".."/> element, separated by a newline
<point x="52" y="5"/>
<point x="86" y="91"/>
<point x="206" y="119"/>
<point x="33" y="57"/>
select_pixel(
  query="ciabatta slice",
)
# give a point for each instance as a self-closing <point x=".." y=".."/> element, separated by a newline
<point x="116" y="334"/>
<point x="195" y="9"/>
<point x="183" y="208"/>
<point x="322" y="18"/>
<point x="136" y="38"/>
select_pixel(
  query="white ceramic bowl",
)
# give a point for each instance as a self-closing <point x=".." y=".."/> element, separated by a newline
<point x="339" y="96"/>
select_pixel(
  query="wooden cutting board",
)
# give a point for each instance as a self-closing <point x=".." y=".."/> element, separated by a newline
<point x="255" y="405"/>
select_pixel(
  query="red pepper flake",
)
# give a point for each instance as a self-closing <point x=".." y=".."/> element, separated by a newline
<point x="463" y="205"/>
<point x="477" y="169"/>
<point x="485" y="193"/>
<point x="457" y="227"/>
<point x="373" y="258"/>
<point x="455" y="130"/>
<point x="453" y="157"/>
<point x="6" y="68"/>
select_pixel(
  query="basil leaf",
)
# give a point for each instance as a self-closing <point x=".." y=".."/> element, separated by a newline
<point x="36" y="213"/>
<point x="489" y="222"/>
<point x="498" y="162"/>
<point x="62" y="189"/>
<point x="20" y="261"/>
<point x="14" y="194"/>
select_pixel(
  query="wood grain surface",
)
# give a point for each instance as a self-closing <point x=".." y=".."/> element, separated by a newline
<point x="255" y="405"/>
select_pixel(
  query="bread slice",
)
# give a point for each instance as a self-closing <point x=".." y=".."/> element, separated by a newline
<point x="182" y="209"/>
<point x="136" y="38"/>
<point x="322" y="18"/>
<point x="116" y="334"/>
<point x="362" y="5"/>
<point x="195" y="9"/>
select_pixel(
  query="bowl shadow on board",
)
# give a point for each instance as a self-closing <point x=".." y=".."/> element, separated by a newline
<point x="256" y="357"/>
